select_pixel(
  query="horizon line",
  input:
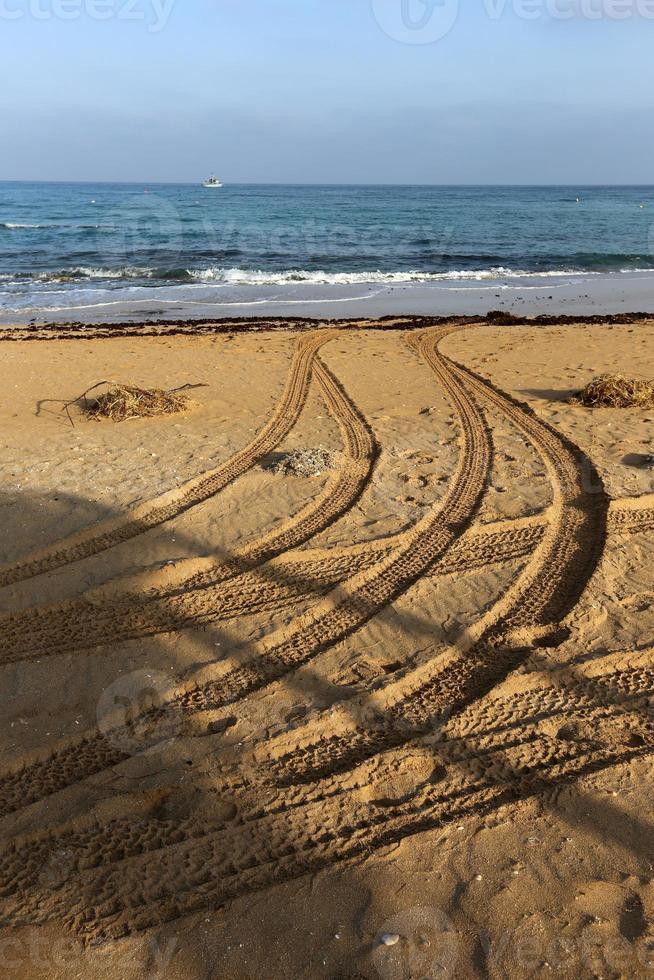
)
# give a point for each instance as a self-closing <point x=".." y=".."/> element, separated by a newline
<point x="253" y="183"/>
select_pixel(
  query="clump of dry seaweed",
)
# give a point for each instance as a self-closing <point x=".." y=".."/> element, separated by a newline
<point x="122" y="402"/>
<point x="616" y="391"/>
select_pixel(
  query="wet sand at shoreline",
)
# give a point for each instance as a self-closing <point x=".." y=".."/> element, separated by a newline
<point x="579" y="294"/>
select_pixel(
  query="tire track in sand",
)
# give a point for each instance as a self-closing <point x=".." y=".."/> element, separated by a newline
<point x="286" y="579"/>
<point x="151" y="513"/>
<point x="115" y="887"/>
<point x="632" y="515"/>
<point x="105" y="615"/>
<point x="528" y="613"/>
<point x="340" y="613"/>
<point x="120" y="610"/>
<point x="130" y="874"/>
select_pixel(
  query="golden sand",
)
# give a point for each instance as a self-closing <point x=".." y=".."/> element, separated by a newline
<point x="383" y="713"/>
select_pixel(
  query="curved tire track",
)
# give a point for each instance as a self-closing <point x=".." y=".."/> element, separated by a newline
<point x="160" y="509"/>
<point x="529" y="612"/>
<point x="105" y="616"/>
<point x="130" y="874"/>
<point x="320" y="806"/>
<point x="339" y="614"/>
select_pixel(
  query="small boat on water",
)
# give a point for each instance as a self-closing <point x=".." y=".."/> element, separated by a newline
<point x="213" y="182"/>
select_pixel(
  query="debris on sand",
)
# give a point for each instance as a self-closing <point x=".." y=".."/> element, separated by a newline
<point x="616" y="391"/>
<point x="302" y="462"/>
<point x="122" y="402"/>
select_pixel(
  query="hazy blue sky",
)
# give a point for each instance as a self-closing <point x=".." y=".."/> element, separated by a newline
<point x="317" y="91"/>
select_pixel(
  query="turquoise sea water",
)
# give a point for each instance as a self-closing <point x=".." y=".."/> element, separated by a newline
<point x="85" y="246"/>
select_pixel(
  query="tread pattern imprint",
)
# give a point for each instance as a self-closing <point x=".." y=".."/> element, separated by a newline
<point x="311" y="794"/>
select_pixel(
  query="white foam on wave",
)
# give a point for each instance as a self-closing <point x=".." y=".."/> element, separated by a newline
<point x="226" y="276"/>
<point x="77" y="277"/>
<point x="83" y="272"/>
<point x="54" y="226"/>
<point x="258" y="277"/>
<point x="94" y="272"/>
<point x="15" y="225"/>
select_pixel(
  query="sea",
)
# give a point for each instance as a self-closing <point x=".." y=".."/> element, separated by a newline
<point x="107" y="252"/>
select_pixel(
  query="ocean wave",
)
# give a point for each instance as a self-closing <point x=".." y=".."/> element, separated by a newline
<point x="97" y="272"/>
<point x="235" y="276"/>
<point x="223" y="276"/>
<point x="83" y="273"/>
<point x="258" y="277"/>
<point x="16" y="225"/>
<point x="55" y="226"/>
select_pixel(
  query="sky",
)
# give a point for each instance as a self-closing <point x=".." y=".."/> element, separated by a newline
<point x="328" y="91"/>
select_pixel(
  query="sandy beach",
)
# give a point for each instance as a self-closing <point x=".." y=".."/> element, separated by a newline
<point x="388" y="719"/>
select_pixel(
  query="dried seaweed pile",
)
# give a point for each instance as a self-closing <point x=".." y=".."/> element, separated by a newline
<point x="616" y="391"/>
<point x="123" y="402"/>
